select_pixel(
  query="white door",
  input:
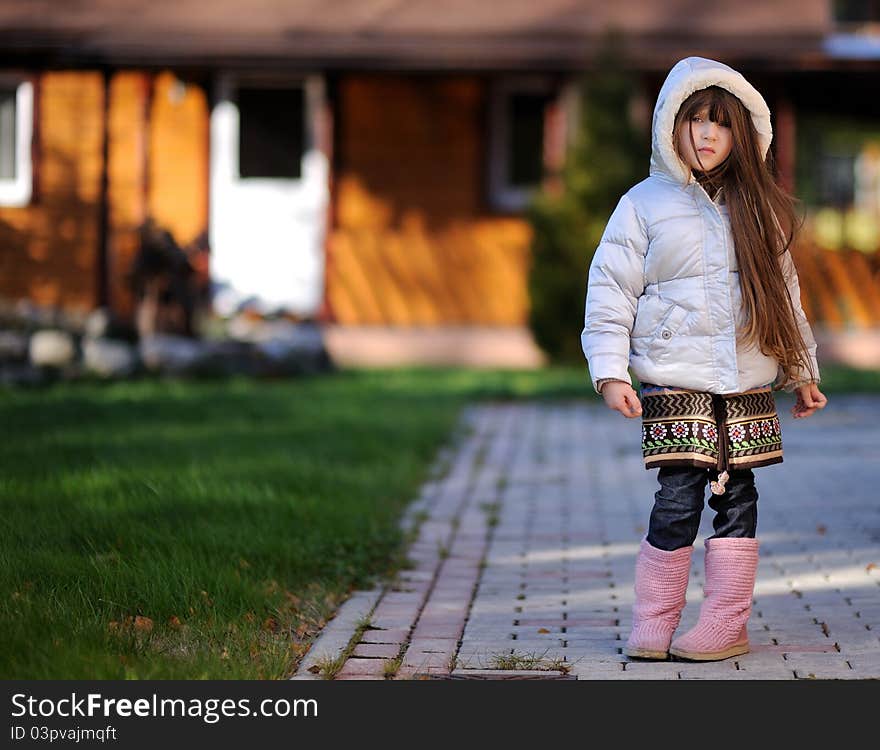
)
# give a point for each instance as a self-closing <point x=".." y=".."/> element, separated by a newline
<point x="269" y="193"/>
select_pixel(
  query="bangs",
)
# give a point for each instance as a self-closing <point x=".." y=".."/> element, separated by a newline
<point x="713" y="99"/>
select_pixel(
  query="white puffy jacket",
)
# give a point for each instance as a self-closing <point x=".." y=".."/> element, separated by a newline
<point x="663" y="294"/>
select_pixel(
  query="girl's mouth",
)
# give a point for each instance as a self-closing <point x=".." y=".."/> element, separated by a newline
<point x="708" y="150"/>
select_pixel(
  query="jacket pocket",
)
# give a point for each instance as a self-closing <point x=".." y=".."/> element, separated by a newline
<point x="671" y="321"/>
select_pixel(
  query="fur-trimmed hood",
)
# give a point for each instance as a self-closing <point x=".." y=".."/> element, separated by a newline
<point x="689" y="75"/>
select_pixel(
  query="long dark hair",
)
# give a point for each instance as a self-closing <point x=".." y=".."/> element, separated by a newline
<point x="753" y="199"/>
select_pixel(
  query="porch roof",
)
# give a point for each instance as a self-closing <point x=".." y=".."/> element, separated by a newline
<point x="431" y="34"/>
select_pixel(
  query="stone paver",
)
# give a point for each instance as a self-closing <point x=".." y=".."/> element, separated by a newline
<point x="530" y="525"/>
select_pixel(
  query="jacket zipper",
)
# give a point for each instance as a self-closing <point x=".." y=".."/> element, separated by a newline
<point x="717" y="209"/>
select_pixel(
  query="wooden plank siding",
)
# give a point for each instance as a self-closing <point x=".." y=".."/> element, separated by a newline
<point x="157" y="163"/>
<point x="412" y="242"/>
<point x="48" y="249"/>
<point x="839" y="288"/>
<point x="126" y="179"/>
<point x="177" y="193"/>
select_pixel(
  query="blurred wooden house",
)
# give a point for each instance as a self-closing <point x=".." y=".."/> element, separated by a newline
<point x="365" y="162"/>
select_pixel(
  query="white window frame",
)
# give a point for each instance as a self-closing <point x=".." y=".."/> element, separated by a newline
<point x="17" y="191"/>
<point x="503" y="195"/>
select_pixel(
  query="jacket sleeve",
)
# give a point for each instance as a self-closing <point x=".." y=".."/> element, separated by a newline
<point x="615" y="281"/>
<point x="789" y="272"/>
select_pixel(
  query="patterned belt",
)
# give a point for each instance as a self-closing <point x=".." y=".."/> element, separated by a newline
<point x="682" y="427"/>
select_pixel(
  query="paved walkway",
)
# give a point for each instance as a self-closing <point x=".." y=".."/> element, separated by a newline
<point x="527" y="536"/>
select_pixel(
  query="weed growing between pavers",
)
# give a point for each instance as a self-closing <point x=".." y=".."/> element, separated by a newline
<point x="329" y="666"/>
<point x="392" y="667"/>
<point x="492" y="511"/>
<point x="529" y="661"/>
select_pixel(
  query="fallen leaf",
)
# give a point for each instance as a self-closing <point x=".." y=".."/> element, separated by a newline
<point x="870" y="566"/>
<point x="292" y="598"/>
<point x="821" y="528"/>
<point x="543" y="630"/>
<point x="314" y="669"/>
<point x="174" y="622"/>
<point x="270" y="624"/>
<point x="144" y="624"/>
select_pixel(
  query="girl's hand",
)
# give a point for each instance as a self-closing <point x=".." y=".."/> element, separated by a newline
<point x="621" y="397"/>
<point x="809" y="398"/>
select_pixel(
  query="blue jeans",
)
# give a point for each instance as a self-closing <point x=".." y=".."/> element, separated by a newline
<point x="678" y="505"/>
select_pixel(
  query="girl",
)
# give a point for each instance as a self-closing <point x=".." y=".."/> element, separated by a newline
<point x="693" y="287"/>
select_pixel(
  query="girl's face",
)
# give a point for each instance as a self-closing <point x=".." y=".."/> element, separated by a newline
<point x="713" y="142"/>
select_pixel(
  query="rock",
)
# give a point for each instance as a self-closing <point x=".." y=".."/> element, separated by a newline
<point x="307" y="336"/>
<point x="71" y="320"/>
<point x="227" y="357"/>
<point x="291" y="349"/>
<point x="282" y="346"/>
<point x="242" y="327"/>
<point x="31" y="315"/>
<point x="97" y="324"/>
<point x="164" y="352"/>
<point x="18" y="374"/>
<point x="103" y="324"/>
<point x="109" y="358"/>
<point x="13" y="346"/>
<point x="52" y="348"/>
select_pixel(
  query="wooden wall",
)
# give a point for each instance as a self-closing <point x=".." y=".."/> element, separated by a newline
<point x="127" y="168"/>
<point x="48" y="248"/>
<point x="157" y="163"/>
<point x="412" y="242"/>
<point x="839" y="288"/>
<point x="179" y="157"/>
<point x="158" y="166"/>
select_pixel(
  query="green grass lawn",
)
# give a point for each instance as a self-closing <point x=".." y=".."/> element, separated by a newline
<point x="166" y="529"/>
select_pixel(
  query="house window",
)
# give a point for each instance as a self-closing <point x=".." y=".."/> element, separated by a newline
<point x="517" y="135"/>
<point x="856" y="13"/>
<point x="525" y="145"/>
<point x="16" y="126"/>
<point x="856" y="33"/>
<point x="271" y="134"/>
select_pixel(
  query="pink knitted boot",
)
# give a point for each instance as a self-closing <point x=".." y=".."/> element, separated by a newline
<point x="661" y="581"/>
<point x="731" y="567"/>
